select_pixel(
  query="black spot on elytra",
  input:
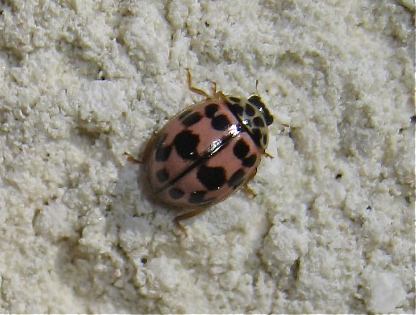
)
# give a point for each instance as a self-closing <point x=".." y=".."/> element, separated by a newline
<point x="185" y="144"/>
<point x="162" y="153"/>
<point x="211" y="177"/>
<point x="197" y="198"/>
<point x="249" y="110"/>
<point x="249" y="162"/>
<point x="220" y="122"/>
<point x="210" y="110"/>
<point x="191" y="119"/>
<point x="162" y="175"/>
<point x="176" y="193"/>
<point x="258" y="122"/>
<point x="236" y="179"/>
<point x="241" y="149"/>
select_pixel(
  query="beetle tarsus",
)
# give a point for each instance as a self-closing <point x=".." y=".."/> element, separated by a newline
<point x="268" y="155"/>
<point x="249" y="191"/>
<point x="186" y="215"/>
<point x="132" y="159"/>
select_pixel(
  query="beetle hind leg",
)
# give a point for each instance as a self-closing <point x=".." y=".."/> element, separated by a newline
<point x="146" y="153"/>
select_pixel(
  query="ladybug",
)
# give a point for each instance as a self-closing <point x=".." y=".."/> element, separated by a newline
<point x="207" y="152"/>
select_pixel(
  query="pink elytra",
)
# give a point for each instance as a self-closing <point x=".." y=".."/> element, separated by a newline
<point x="207" y="152"/>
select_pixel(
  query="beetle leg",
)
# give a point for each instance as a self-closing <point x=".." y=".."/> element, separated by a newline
<point x="132" y="159"/>
<point x="249" y="191"/>
<point x="268" y="155"/>
<point x="194" y="89"/>
<point x="146" y="153"/>
<point x="185" y="216"/>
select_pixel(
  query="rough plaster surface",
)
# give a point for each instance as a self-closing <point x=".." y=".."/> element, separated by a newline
<point x="331" y="228"/>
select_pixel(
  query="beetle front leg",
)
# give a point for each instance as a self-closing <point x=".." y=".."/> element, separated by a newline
<point x="185" y="216"/>
<point x="196" y="90"/>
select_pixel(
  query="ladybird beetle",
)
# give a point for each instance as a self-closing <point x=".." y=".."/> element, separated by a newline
<point x="208" y="151"/>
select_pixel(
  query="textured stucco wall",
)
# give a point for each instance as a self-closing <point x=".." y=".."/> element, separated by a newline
<point x="331" y="228"/>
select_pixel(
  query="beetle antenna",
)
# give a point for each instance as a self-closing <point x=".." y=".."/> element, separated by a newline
<point x="257" y="87"/>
